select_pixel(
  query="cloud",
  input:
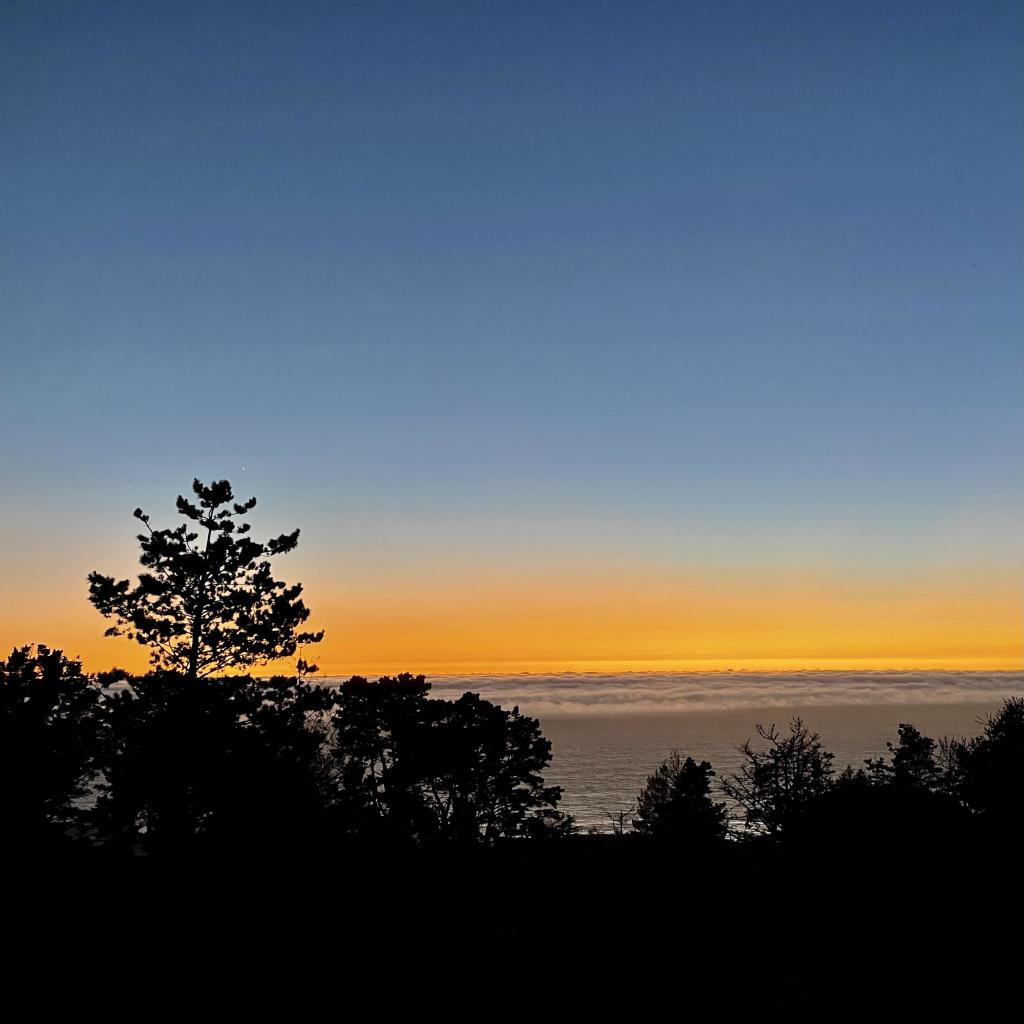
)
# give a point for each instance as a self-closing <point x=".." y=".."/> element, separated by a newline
<point x="573" y="693"/>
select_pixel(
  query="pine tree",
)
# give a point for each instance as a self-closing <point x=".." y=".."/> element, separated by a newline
<point x="207" y="602"/>
<point x="676" y="803"/>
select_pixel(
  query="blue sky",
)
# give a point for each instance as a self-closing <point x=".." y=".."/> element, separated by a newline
<point x="708" y="283"/>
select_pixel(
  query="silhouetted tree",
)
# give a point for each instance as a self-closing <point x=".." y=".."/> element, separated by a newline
<point x="49" y="727"/>
<point x="421" y="769"/>
<point x="373" y="729"/>
<point x="676" y="803"/>
<point x="213" y="761"/>
<point x="774" y="786"/>
<point x="950" y="757"/>
<point x="913" y="758"/>
<point x="886" y="811"/>
<point x="480" y="770"/>
<point x="992" y="767"/>
<point x="913" y="762"/>
<point x="547" y="822"/>
<point x="208" y="601"/>
<point x="620" y="818"/>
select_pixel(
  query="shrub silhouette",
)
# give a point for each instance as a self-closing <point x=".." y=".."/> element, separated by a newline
<point x="49" y="727"/>
<point x="676" y="803"/>
<point x="207" y="602"/>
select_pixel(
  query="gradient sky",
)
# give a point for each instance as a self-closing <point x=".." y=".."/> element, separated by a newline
<point x="598" y="334"/>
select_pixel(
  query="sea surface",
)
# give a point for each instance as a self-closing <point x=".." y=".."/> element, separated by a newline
<point x="609" y="732"/>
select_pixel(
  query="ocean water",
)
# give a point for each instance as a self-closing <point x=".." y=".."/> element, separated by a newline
<point x="609" y="732"/>
<point x="602" y="762"/>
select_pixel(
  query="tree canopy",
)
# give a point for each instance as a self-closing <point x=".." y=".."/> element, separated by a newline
<point x="212" y="761"/>
<point x="49" y="738"/>
<point x="913" y="762"/>
<point x="419" y="768"/>
<point x="676" y="803"/>
<point x="775" y="785"/>
<point x="207" y="602"/>
<point x="991" y="767"/>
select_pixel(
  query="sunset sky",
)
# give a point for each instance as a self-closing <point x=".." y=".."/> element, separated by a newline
<point x="597" y="335"/>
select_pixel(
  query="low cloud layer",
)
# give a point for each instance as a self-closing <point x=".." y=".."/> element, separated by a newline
<point x="650" y="692"/>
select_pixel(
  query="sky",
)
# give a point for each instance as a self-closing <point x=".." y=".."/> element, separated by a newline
<point x="573" y="336"/>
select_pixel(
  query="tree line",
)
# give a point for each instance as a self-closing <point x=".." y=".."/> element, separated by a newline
<point x="160" y="760"/>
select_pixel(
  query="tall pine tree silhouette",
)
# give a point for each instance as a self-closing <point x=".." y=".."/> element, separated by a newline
<point x="207" y="601"/>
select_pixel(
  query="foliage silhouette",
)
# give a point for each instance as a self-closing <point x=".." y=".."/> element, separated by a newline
<point x="372" y="730"/>
<point x="421" y="769"/>
<point x="619" y="820"/>
<point x="867" y="813"/>
<point x="774" y="786"/>
<point x="676" y="804"/>
<point x="49" y="727"/>
<point x="480" y="769"/>
<point x="213" y="761"/>
<point x="913" y="764"/>
<point x="207" y="602"/>
<point x="949" y="757"/>
<point x="990" y="768"/>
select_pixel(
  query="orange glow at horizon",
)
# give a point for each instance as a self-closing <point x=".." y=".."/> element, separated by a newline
<point x="607" y="622"/>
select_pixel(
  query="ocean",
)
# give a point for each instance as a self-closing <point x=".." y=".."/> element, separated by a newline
<point x="609" y="732"/>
